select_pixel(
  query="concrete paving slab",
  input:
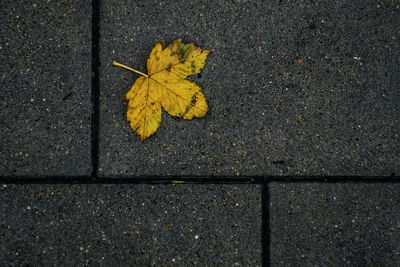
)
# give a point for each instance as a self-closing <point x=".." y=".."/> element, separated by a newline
<point x="130" y="225"/>
<point x="45" y="106"/>
<point x="294" y="88"/>
<point x="335" y="224"/>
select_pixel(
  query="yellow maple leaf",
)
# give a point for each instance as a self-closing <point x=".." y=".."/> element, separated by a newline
<point x="165" y="86"/>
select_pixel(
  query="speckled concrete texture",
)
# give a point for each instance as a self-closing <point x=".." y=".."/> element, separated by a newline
<point x="335" y="224"/>
<point x="130" y="225"/>
<point x="294" y="88"/>
<point x="45" y="107"/>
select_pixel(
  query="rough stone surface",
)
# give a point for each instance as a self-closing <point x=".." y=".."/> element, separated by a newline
<point x="335" y="224"/>
<point x="294" y="88"/>
<point x="45" y="54"/>
<point x="130" y="225"/>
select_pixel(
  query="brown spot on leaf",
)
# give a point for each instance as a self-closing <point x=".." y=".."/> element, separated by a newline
<point x="193" y="65"/>
<point x="191" y="105"/>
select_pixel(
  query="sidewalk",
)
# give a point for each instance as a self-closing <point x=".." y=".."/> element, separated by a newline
<point x="296" y="90"/>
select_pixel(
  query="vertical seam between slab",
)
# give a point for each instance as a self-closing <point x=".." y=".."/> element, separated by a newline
<point x="265" y="232"/>
<point x="95" y="87"/>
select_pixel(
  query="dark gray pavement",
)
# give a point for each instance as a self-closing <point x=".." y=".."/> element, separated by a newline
<point x="45" y="84"/>
<point x="295" y="88"/>
<point x="335" y="224"/>
<point x="130" y="225"/>
<point x="335" y="113"/>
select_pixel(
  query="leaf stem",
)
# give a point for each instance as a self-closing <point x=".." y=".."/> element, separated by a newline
<point x="126" y="67"/>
